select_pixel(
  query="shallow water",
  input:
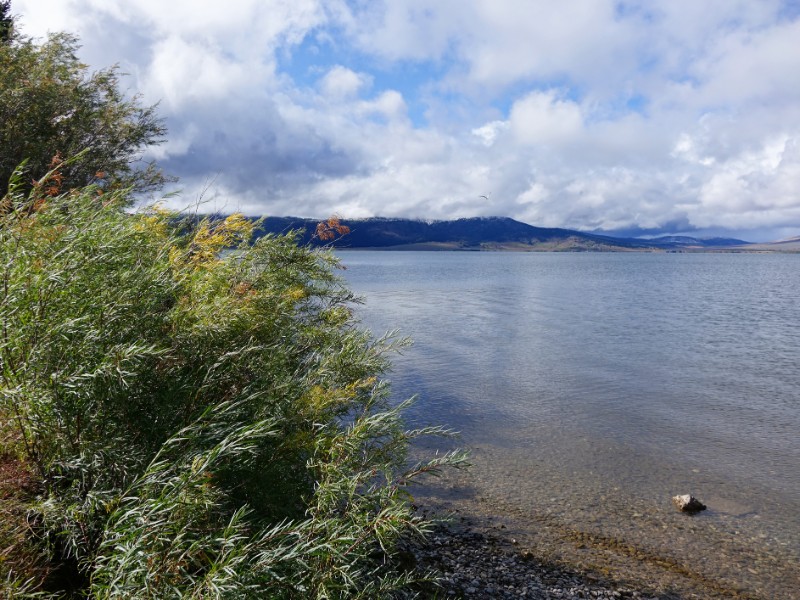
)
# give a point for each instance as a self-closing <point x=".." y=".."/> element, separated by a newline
<point x="593" y="387"/>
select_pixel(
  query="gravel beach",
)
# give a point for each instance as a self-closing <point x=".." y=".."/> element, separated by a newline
<point x="474" y="563"/>
<point x="483" y="547"/>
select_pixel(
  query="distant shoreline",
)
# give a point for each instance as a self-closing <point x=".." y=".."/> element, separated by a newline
<point x="519" y="248"/>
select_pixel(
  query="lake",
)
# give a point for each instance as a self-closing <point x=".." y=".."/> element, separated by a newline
<point x="592" y="387"/>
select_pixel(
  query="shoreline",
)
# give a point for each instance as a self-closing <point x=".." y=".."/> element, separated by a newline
<point x="479" y="560"/>
<point x="487" y="555"/>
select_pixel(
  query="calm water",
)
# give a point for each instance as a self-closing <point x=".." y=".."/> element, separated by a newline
<point x="593" y="387"/>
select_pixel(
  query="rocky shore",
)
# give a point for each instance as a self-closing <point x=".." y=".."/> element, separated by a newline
<point x="473" y="563"/>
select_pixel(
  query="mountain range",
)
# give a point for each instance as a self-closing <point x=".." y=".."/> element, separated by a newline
<point x="482" y="233"/>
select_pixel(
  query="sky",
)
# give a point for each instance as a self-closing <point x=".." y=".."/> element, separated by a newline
<point x="631" y="117"/>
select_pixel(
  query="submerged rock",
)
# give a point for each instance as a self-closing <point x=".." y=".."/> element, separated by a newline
<point x="688" y="504"/>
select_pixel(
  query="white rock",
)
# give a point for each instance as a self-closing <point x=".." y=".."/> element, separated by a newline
<point x="688" y="503"/>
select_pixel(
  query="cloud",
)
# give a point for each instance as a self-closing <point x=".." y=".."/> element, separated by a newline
<point x="406" y="29"/>
<point x="541" y="118"/>
<point x="755" y="184"/>
<point x="613" y="115"/>
<point x="762" y="59"/>
<point x="341" y="83"/>
<point x="182" y="72"/>
<point x="488" y="133"/>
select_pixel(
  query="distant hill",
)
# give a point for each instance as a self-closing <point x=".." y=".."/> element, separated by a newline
<point x="788" y="245"/>
<point x="682" y="241"/>
<point x="460" y="234"/>
<point x="479" y="233"/>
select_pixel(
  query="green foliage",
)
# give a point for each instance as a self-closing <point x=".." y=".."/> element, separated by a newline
<point x="6" y="22"/>
<point x="51" y="105"/>
<point x="197" y="425"/>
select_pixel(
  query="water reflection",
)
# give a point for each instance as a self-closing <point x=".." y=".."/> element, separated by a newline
<point x="593" y="387"/>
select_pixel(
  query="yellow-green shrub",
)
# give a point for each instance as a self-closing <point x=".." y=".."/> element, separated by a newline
<point x="198" y="425"/>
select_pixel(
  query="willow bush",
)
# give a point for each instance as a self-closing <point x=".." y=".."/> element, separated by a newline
<point x="50" y="102"/>
<point x="190" y="422"/>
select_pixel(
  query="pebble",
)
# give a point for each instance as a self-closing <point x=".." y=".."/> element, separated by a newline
<point x="479" y="567"/>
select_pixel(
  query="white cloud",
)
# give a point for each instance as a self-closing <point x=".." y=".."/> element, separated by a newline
<point x="756" y="185"/>
<point x="541" y="118"/>
<point x="182" y="72"/>
<point x="686" y="149"/>
<point x="488" y="133"/>
<point x="389" y="104"/>
<point x="407" y="29"/>
<point x="760" y="60"/>
<point x="579" y="114"/>
<point x="342" y="83"/>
